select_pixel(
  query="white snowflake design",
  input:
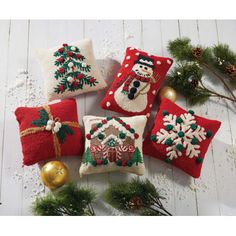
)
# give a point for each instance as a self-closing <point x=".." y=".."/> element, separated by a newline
<point x="181" y="133"/>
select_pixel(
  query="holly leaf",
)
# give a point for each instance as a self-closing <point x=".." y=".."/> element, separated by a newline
<point x="43" y="118"/>
<point x="63" y="131"/>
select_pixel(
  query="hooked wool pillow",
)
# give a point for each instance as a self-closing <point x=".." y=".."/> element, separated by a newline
<point x="180" y="137"/>
<point x="70" y="70"/>
<point x="49" y="131"/>
<point x="113" y="144"/>
<point x="136" y="84"/>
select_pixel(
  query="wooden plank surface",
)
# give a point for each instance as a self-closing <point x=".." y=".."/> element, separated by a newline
<point x="212" y="194"/>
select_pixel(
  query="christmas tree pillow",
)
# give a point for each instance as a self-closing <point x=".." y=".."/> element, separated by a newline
<point x="180" y="137"/>
<point x="113" y="144"/>
<point x="136" y="84"/>
<point x="49" y="131"/>
<point x="70" y="70"/>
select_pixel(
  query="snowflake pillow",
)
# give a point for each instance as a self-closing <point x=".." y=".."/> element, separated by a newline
<point x="49" y="131"/>
<point x="113" y="144"/>
<point x="180" y="137"/>
<point x="70" y="70"/>
<point x="135" y="86"/>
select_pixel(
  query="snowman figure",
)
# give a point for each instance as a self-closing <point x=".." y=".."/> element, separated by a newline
<point x="131" y="96"/>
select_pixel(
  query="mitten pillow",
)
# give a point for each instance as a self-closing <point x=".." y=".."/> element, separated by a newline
<point x="113" y="144"/>
<point x="180" y="137"/>
<point x="70" y="70"/>
<point x="136" y="84"/>
<point x="49" y="131"/>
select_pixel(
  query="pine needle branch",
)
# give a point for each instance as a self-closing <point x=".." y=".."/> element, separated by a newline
<point x="136" y="197"/>
<point x="69" y="200"/>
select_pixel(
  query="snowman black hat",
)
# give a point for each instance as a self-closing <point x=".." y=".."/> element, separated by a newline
<point x="146" y="61"/>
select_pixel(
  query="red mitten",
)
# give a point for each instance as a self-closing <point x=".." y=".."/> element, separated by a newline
<point x="49" y="131"/>
<point x="134" y="89"/>
<point x="180" y="137"/>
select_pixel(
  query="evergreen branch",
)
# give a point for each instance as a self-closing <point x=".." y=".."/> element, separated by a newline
<point x="135" y="197"/>
<point x="68" y="200"/>
<point x="219" y="57"/>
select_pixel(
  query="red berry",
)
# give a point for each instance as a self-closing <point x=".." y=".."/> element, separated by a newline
<point x="80" y="76"/>
<point x="78" y="56"/>
<point x="61" y="50"/>
<point x="88" y="136"/>
<point x="91" y="80"/>
<point x="95" y="128"/>
<point x="124" y="162"/>
<point x="60" y="88"/>
<point x="104" y="121"/>
<point x="75" y="83"/>
<point x="127" y="126"/>
<point x="70" y="54"/>
<point x="99" y="162"/>
<point x="61" y="70"/>
<point x="136" y="136"/>
<point x="64" y="44"/>
<point x="61" y="59"/>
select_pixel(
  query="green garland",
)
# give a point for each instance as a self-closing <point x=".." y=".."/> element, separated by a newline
<point x="192" y="62"/>
<point x="69" y="200"/>
<point x="138" y="197"/>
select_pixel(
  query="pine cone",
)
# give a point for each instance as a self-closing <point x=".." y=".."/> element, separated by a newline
<point x="231" y="70"/>
<point x="135" y="203"/>
<point x="194" y="83"/>
<point x="197" y="52"/>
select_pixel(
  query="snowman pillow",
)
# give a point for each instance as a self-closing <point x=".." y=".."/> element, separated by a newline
<point x="113" y="144"/>
<point x="70" y="70"/>
<point x="136" y="84"/>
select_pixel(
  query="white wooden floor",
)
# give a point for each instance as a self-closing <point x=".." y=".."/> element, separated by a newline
<point x="21" y="83"/>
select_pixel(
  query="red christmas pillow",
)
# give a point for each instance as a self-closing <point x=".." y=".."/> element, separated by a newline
<point x="49" y="131"/>
<point x="134" y="89"/>
<point x="180" y="137"/>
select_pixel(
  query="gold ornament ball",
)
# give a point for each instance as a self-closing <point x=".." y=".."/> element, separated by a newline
<point x="54" y="174"/>
<point x="167" y="92"/>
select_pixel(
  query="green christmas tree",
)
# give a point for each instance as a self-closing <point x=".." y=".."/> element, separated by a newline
<point x="137" y="157"/>
<point x="72" y="70"/>
<point x="87" y="157"/>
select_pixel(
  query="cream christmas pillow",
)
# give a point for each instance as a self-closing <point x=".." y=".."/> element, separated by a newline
<point x="70" y="70"/>
<point x="113" y="144"/>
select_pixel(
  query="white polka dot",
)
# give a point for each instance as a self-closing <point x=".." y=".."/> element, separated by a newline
<point x="150" y="105"/>
<point x="119" y="74"/>
<point x="149" y="55"/>
<point x="158" y="63"/>
<point x="128" y="57"/>
<point x="154" y="92"/>
<point x="137" y="53"/>
<point x="131" y="48"/>
<point x="126" y="65"/>
<point x="148" y="114"/>
<point x="108" y="104"/>
<point x="70" y="64"/>
<point x="169" y="62"/>
<point x="111" y="92"/>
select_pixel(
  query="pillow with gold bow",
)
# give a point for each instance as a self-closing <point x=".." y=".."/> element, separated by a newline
<point x="49" y="131"/>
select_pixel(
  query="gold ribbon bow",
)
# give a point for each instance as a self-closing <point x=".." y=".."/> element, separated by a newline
<point x="56" y="143"/>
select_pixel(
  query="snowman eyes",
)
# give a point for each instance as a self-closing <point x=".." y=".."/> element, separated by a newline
<point x="145" y="68"/>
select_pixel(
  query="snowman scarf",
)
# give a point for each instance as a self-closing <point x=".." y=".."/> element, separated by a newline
<point x="133" y="76"/>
